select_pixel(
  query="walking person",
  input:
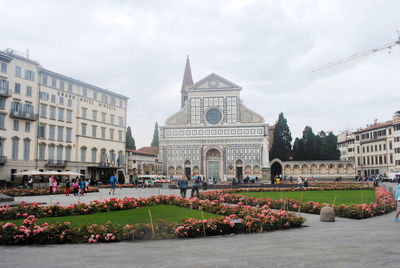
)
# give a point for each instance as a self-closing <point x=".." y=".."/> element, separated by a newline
<point x="397" y="197"/>
<point x="183" y="185"/>
<point x="204" y="184"/>
<point x="75" y="187"/>
<point x="51" y="184"/>
<point x="113" y="183"/>
<point x="300" y="182"/>
<point x="82" y="186"/>
<point x="195" y="187"/>
<point x="67" y="185"/>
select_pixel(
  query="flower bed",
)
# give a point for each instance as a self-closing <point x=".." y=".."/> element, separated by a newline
<point x="384" y="204"/>
<point x="38" y="191"/>
<point x="234" y="219"/>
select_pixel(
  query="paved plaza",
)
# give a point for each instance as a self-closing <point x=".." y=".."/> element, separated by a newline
<point x="372" y="242"/>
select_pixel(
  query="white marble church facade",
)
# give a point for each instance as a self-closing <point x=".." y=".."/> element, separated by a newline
<point x="214" y="134"/>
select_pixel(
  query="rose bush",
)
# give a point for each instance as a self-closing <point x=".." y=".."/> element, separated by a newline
<point x="234" y="219"/>
<point x="384" y="204"/>
<point x="37" y="191"/>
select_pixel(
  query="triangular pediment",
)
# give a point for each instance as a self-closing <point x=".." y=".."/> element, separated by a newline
<point x="214" y="82"/>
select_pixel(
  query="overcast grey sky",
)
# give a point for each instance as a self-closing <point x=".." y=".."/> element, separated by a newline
<point x="138" y="49"/>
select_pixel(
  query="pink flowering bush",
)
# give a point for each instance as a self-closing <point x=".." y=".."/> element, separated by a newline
<point x="37" y="191"/>
<point x="234" y="219"/>
<point x="384" y="204"/>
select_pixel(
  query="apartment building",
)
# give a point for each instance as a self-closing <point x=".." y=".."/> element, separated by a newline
<point x="57" y="122"/>
<point x="375" y="149"/>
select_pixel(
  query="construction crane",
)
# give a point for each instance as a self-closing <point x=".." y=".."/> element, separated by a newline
<point x="359" y="55"/>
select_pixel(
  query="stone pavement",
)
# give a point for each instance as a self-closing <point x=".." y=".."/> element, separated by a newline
<point x="371" y="242"/>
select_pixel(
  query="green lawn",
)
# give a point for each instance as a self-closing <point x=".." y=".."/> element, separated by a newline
<point x="132" y="216"/>
<point x="347" y="197"/>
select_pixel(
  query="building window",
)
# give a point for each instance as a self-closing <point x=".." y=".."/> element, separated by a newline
<point x="29" y="91"/>
<point x="17" y="88"/>
<point x="69" y="116"/>
<point x="51" y="152"/>
<point x="94" y="130"/>
<point x="112" y="119"/>
<point x="14" y="149"/>
<point x="121" y="121"/>
<point x="29" y="75"/>
<point x="104" y="98"/>
<point x="94" y="115"/>
<point x="42" y="131"/>
<point x="84" y="92"/>
<point x="52" y="132"/>
<point x="61" y="100"/>
<point x="59" y="153"/>
<point x="103" y="133"/>
<point x="60" y="114"/>
<point x="94" y="95"/>
<point x="2" y="103"/>
<point x="111" y="134"/>
<point x="103" y="117"/>
<point x="4" y="67"/>
<point x="84" y="113"/>
<point x="120" y="135"/>
<point x="42" y="148"/>
<point x="68" y="153"/>
<point x="120" y="103"/>
<point x="26" y="149"/>
<point x="16" y="124"/>
<point x="43" y="110"/>
<point x="44" y="79"/>
<point x="44" y="96"/>
<point x="68" y="134"/>
<point x="1" y="121"/>
<point x="27" y="126"/>
<point x="54" y="82"/>
<point x="53" y="98"/>
<point x="69" y="87"/>
<point x="18" y="71"/>
<point x="94" y="153"/>
<point x="69" y="103"/>
<point x="53" y="112"/>
<point x="83" y="154"/>
<point x="83" y="129"/>
<point x="62" y="84"/>
<point x="60" y="133"/>
<point x="112" y="100"/>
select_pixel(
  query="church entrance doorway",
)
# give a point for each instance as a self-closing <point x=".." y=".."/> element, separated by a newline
<point x="276" y="169"/>
<point x="188" y="173"/>
<point x="239" y="169"/>
<point x="188" y="170"/>
<point x="213" y="160"/>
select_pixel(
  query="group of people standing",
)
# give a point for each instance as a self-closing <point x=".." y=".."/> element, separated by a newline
<point x="197" y="181"/>
<point x="80" y="186"/>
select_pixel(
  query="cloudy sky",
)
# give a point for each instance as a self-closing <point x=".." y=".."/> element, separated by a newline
<point x="138" y="49"/>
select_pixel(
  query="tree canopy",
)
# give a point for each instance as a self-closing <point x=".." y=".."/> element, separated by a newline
<point x="130" y="142"/>
<point x="281" y="146"/>
<point x="155" y="141"/>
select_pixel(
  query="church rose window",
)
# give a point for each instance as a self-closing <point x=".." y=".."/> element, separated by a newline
<point x="213" y="116"/>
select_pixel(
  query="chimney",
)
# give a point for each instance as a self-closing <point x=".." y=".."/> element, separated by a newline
<point x="27" y="53"/>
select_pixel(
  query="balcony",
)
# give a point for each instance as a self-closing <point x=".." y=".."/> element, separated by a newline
<point x="56" y="163"/>
<point x="5" y="92"/>
<point x="23" y="115"/>
<point x="3" y="160"/>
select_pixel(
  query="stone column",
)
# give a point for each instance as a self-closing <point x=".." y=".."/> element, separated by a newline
<point x="265" y="170"/>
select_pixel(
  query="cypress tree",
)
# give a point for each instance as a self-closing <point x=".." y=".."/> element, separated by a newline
<point x="130" y="142"/>
<point x="281" y="146"/>
<point x="155" y="136"/>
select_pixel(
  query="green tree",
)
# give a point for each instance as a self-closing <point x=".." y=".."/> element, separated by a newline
<point x="298" y="149"/>
<point x="130" y="142"/>
<point x="281" y="146"/>
<point x="331" y="147"/>
<point x="309" y="141"/>
<point x="155" y="136"/>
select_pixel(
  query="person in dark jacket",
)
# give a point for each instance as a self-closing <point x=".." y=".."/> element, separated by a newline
<point x="183" y="185"/>
<point x="195" y="187"/>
